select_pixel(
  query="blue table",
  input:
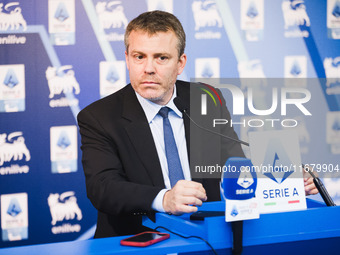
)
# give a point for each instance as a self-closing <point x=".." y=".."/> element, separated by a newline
<point x="312" y="231"/>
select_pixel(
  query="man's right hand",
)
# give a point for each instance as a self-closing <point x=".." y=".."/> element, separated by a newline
<point x="184" y="197"/>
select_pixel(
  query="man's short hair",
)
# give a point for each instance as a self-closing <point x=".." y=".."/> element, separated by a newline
<point x="157" y="21"/>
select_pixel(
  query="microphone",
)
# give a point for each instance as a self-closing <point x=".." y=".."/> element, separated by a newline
<point x="183" y="108"/>
<point x="321" y="188"/>
<point x="237" y="226"/>
<point x="239" y="180"/>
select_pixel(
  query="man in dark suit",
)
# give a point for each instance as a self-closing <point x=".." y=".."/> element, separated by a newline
<point x="124" y="159"/>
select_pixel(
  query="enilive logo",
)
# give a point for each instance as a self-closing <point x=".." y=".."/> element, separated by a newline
<point x="62" y="80"/>
<point x="211" y="91"/>
<point x="14" y="149"/>
<point x="11" y="17"/>
<point x="206" y="16"/>
<point x="294" y="14"/>
<point x="111" y="15"/>
<point x="64" y="207"/>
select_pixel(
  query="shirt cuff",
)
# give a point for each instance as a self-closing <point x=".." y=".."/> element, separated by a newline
<point x="157" y="203"/>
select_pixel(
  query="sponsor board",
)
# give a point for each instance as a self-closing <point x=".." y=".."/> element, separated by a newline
<point x="14" y="217"/>
<point x="12" y="88"/>
<point x="61" y="22"/>
<point x="64" y="149"/>
<point x="13" y="152"/>
<point x="252" y="19"/>
<point x="112" y="77"/>
<point x="64" y="211"/>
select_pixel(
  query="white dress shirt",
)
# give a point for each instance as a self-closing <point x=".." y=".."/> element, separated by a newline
<point x="156" y="125"/>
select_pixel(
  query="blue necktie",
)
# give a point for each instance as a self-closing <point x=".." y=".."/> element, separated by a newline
<point x="174" y="163"/>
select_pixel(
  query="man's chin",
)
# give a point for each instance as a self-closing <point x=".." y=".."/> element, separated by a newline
<point x="153" y="97"/>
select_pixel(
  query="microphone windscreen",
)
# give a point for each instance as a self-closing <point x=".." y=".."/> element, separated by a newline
<point x="180" y="104"/>
<point x="239" y="179"/>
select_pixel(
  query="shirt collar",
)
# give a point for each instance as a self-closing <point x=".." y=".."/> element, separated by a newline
<point x="151" y="109"/>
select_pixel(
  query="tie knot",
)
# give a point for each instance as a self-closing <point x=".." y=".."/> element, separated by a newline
<point x="164" y="111"/>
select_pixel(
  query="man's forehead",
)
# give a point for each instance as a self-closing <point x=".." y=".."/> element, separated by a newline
<point x="148" y="33"/>
<point x="163" y="47"/>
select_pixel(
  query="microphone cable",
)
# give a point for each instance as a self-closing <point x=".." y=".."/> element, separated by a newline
<point x="187" y="237"/>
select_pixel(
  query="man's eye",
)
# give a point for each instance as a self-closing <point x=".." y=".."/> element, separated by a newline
<point x="163" y="58"/>
<point x="139" y="57"/>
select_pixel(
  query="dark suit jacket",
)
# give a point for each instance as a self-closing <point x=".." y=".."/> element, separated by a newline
<point x="120" y="161"/>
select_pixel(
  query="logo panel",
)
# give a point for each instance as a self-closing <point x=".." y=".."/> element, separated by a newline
<point x="112" y="77"/>
<point x="112" y="19"/>
<point x="295" y="67"/>
<point x="64" y="149"/>
<point x="13" y="151"/>
<point x="11" y="17"/>
<point x="64" y="210"/>
<point x="62" y="81"/>
<point x="61" y="22"/>
<point x="207" y="68"/>
<point x="295" y="18"/>
<point x="333" y="19"/>
<point x="14" y="217"/>
<point x="12" y="88"/>
<point x="332" y="70"/>
<point x="207" y="18"/>
<point x="252" y="19"/>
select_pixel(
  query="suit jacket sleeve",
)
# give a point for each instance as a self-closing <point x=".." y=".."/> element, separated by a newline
<point x="116" y="181"/>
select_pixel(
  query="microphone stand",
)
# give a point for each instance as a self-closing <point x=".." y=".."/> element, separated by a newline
<point x="236" y="226"/>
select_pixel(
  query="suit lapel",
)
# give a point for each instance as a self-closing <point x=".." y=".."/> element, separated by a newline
<point x="140" y="136"/>
<point x="183" y="92"/>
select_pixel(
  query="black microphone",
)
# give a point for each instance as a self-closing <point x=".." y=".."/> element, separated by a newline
<point x="237" y="226"/>
<point x="183" y="108"/>
<point x="321" y="188"/>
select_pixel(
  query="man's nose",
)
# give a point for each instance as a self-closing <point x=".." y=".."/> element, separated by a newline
<point x="149" y="66"/>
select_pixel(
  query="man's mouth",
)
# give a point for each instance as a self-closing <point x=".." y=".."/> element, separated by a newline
<point x="150" y="83"/>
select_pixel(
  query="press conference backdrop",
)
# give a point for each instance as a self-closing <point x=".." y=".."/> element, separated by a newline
<point x="58" y="56"/>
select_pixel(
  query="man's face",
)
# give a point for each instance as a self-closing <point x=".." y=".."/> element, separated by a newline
<point x="153" y="64"/>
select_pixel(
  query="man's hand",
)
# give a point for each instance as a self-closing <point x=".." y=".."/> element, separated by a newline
<point x="310" y="188"/>
<point x="184" y="197"/>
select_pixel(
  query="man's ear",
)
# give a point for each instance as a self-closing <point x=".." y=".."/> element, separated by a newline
<point x="181" y="63"/>
<point x="127" y="60"/>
